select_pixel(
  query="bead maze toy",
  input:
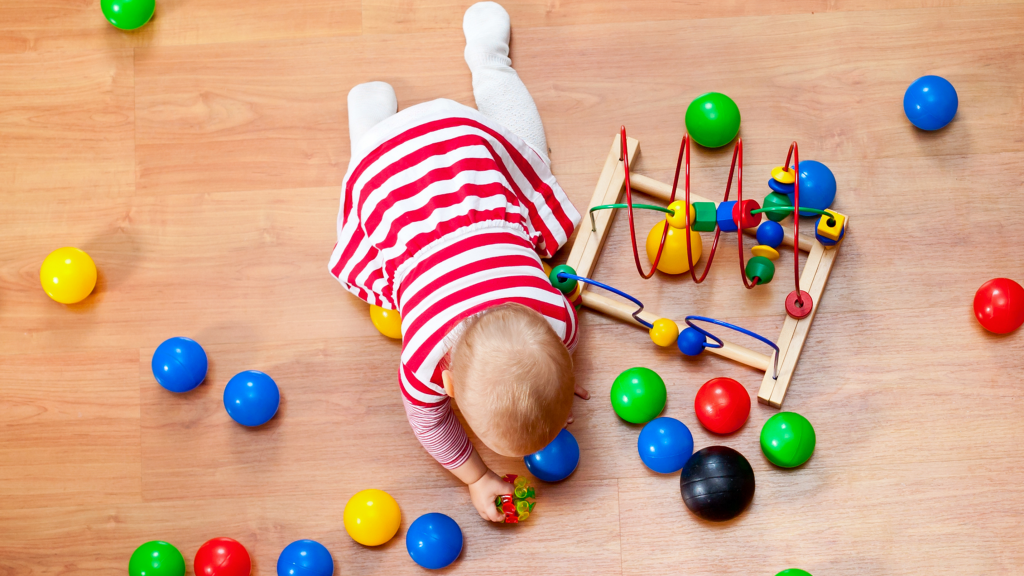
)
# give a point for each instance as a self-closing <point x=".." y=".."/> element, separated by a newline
<point x="674" y="246"/>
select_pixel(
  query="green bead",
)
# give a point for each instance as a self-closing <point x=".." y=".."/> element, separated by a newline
<point x="713" y="119"/>
<point x="128" y="14"/>
<point x="156" y="558"/>
<point x="762" y="268"/>
<point x="638" y="395"/>
<point x="787" y="440"/>
<point x="776" y="200"/>
<point x="794" y="572"/>
<point x="567" y="285"/>
<point x="706" y="216"/>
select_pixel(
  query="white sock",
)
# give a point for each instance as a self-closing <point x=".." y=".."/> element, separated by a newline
<point x="498" y="91"/>
<point x="368" y="104"/>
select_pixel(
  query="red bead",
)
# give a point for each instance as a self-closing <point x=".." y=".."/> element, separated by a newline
<point x="222" y="557"/>
<point x="999" y="305"/>
<point x="722" y="405"/>
<point x="749" y="220"/>
<point x="802" y="309"/>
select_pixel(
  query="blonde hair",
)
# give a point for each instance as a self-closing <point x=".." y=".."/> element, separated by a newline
<point x="513" y="379"/>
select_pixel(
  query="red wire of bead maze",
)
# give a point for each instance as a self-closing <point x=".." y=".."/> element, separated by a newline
<point x="737" y="159"/>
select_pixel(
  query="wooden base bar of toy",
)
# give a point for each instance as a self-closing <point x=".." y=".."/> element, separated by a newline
<point x="586" y="249"/>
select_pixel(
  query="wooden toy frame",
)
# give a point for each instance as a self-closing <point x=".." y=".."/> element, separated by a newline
<point x="586" y="249"/>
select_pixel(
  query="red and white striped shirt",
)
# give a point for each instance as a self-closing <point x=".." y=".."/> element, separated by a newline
<point x="443" y="215"/>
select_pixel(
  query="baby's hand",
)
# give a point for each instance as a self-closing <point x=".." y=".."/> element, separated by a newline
<point x="582" y="393"/>
<point x="484" y="491"/>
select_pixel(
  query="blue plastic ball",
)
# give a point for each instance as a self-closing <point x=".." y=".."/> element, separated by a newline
<point x="665" y="444"/>
<point x="817" y="186"/>
<point x="179" y="364"/>
<point x="434" y="541"/>
<point x="556" y="461"/>
<point x="305" y="558"/>
<point x="930" y="102"/>
<point x="770" y="234"/>
<point x="691" y="341"/>
<point x="251" y="398"/>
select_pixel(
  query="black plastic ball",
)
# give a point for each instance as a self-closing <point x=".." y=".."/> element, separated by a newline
<point x="717" y="483"/>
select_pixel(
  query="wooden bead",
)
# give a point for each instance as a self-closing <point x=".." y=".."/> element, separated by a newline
<point x="776" y="200"/>
<point x="705" y="219"/>
<point x="678" y="219"/>
<point x="566" y="285"/>
<point x="799" y="311"/>
<point x="724" y="216"/>
<point x="786" y="189"/>
<point x="664" y="332"/>
<point x="765" y="252"/>
<point x="783" y="175"/>
<point x="770" y="233"/>
<point x="761" y="268"/>
<point x="748" y="220"/>
<point x="832" y="232"/>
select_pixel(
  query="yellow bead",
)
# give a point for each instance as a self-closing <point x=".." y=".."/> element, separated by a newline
<point x="68" y="275"/>
<point x="677" y="220"/>
<point x="831" y="232"/>
<point x="673" y="257"/>
<point x="783" y="176"/>
<point x="547" y="269"/>
<point x="664" y="332"/>
<point x="389" y="322"/>
<point x="765" y="251"/>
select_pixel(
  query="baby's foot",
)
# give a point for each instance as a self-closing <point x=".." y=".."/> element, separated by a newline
<point x="368" y="105"/>
<point x="487" y="28"/>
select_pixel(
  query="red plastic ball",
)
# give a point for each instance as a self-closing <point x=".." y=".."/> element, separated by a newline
<point x="222" y="557"/>
<point x="999" y="305"/>
<point x="722" y="405"/>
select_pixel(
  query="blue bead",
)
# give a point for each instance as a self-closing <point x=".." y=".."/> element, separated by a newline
<point x="779" y="187"/>
<point x="770" y="234"/>
<point x="251" y="398"/>
<point x="930" y="102"/>
<point x="817" y="186"/>
<point x="691" y="341"/>
<point x="665" y="444"/>
<point x="724" y="216"/>
<point x="434" y="541"/>
<point x="557" y="460"/>
<point x="179" y="364"/>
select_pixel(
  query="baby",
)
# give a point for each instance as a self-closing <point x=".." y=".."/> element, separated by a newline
<point x="445" y="213"/>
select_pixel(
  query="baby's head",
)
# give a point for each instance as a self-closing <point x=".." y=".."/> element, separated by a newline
<point x="512" y="379"/>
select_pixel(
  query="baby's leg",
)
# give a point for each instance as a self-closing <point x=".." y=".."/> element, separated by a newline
<point x="499" y="92"/>
<point x="368" y="104"/>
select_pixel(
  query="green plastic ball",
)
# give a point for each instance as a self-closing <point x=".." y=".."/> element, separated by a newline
<point x="776" y="200"/>
<point x="713" y="120"/>
<point x="128" y="14"/>
<point x="567" y="285"/>
<point x="794" y="572"/>
<point x="156" y="558"/>
<point x="638" y="395"/>
<point x="788" y="439"/>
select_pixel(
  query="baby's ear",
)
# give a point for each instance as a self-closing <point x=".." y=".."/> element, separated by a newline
<point x="449" y="383"/>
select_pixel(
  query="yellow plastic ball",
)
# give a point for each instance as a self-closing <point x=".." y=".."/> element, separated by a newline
<point x="68" y="275"/>
<point x="673" y="257"/>
<point x="664" y="331"/>
<point x="389" y="322"/>
<point x="372" y="517"/>
<point x="677" y="220"/>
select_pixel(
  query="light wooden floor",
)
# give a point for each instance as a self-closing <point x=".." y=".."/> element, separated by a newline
<point x="199" y="162"/>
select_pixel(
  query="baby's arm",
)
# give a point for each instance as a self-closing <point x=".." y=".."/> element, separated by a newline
<point x="439" y="431"/>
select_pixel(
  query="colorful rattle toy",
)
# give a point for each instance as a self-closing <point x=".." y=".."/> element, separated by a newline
<point x="516" y="506"/>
